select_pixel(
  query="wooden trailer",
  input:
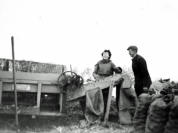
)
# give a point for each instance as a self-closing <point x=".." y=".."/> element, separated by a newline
<point x="32" y="91"/>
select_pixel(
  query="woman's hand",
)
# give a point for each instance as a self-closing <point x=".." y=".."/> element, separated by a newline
<point x="96" y="76"/>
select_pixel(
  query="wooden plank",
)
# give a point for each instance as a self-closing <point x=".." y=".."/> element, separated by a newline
<point x="29" y="111"/>
<point x="46" y="113"/>
<point x="34" y="113"/>
<point x="29" y="81"/>
<point x="1" y="92"/>
<point x="108" y="104"/>
<point x="39" y="95"/>
<point x="27" y="87"/>
<point x="20" y="81"/>
<point x="30" y="76"/>
<point x="10" y="109"/>
<point x="31" y="88"/>
<point x="104" y="83"/>
<point x="51" y="89"/>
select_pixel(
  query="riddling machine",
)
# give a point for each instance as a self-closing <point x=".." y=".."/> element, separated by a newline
<point x="41" y="94"/>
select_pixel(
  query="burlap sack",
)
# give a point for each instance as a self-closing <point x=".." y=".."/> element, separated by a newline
<point x="172" y="124"/>
<point x="127" y="105"/>
<point x="157" y="117"/>
<point x="94" y="105"/>
<point x="140" y="116"/>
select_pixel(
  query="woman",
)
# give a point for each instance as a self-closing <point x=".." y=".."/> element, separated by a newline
<point x="105" y="68"/>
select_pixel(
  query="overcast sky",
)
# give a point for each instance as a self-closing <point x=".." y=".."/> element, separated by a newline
<point x="77" y="31"/>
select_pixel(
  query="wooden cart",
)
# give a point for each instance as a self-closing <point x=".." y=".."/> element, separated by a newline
<point x="36" y="84"/>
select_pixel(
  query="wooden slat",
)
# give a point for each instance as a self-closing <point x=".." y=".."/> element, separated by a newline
<point x="32" y="88"/>
<point x="20" y="81"/>
<point x="45" y="113"/>
<point x="30" y="111"/>
<point x="27" y="87"/>
<point x="29" y="82"/>
<point x="30" y="76"/>
<point x="9" y="109"/>
<point x="51" y="89"/>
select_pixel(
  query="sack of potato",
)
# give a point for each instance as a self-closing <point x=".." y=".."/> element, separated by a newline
<point x="172" y="124"/>
<point x="141" y="113"/>
<point x="157" y="116"/>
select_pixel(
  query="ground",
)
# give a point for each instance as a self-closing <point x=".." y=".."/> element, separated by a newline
<point x="73" y="122"/>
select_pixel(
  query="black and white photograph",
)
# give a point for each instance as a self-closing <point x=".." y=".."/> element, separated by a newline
<point x="88" y="66"/>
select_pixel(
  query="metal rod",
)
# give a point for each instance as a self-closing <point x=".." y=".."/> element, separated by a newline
<point x="70" y="67"/>
<point x="14" y="79"/>
<point x="71" y="70"/>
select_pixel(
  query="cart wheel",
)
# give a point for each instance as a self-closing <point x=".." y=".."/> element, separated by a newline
<point x="69" y="77"/>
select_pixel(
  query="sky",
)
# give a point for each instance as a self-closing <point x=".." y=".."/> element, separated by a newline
<point x="76" y="32"/>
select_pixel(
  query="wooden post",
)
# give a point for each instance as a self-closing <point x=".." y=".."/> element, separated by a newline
<point x="108" y="104"/>
<point x="1" y="92"/>
<point x="39" y="95"/>
<point x="62" y="101"/>
<point x="14" y="78"/>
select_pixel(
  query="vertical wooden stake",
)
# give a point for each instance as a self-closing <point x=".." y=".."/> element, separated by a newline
<point x="108" y="104"/>
<point x="1" y="92"/>
<point x="14" y="79"/>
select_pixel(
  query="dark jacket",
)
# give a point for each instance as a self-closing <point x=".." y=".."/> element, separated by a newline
<point x="141" y="74"/>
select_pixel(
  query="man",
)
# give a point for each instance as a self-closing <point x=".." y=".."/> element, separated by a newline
<point x="141" y="74"/>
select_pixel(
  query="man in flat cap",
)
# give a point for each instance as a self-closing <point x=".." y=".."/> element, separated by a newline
<point x="141" y="74"/>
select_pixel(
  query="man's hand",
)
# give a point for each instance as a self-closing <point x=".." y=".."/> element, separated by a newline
<point x="145" y="89"/>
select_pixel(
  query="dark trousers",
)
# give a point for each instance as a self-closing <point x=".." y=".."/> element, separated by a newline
<point x="105" y="98"/>
<point x="118" y="87"/>
<point x="138" y="90"/>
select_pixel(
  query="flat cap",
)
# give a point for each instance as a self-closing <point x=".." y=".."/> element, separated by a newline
<point x="132" y="48"/>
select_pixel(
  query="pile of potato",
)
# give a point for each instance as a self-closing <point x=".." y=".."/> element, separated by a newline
<point x="157" y="112"/>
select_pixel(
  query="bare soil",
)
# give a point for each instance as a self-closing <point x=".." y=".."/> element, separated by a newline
<point x="73" y="122"/>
